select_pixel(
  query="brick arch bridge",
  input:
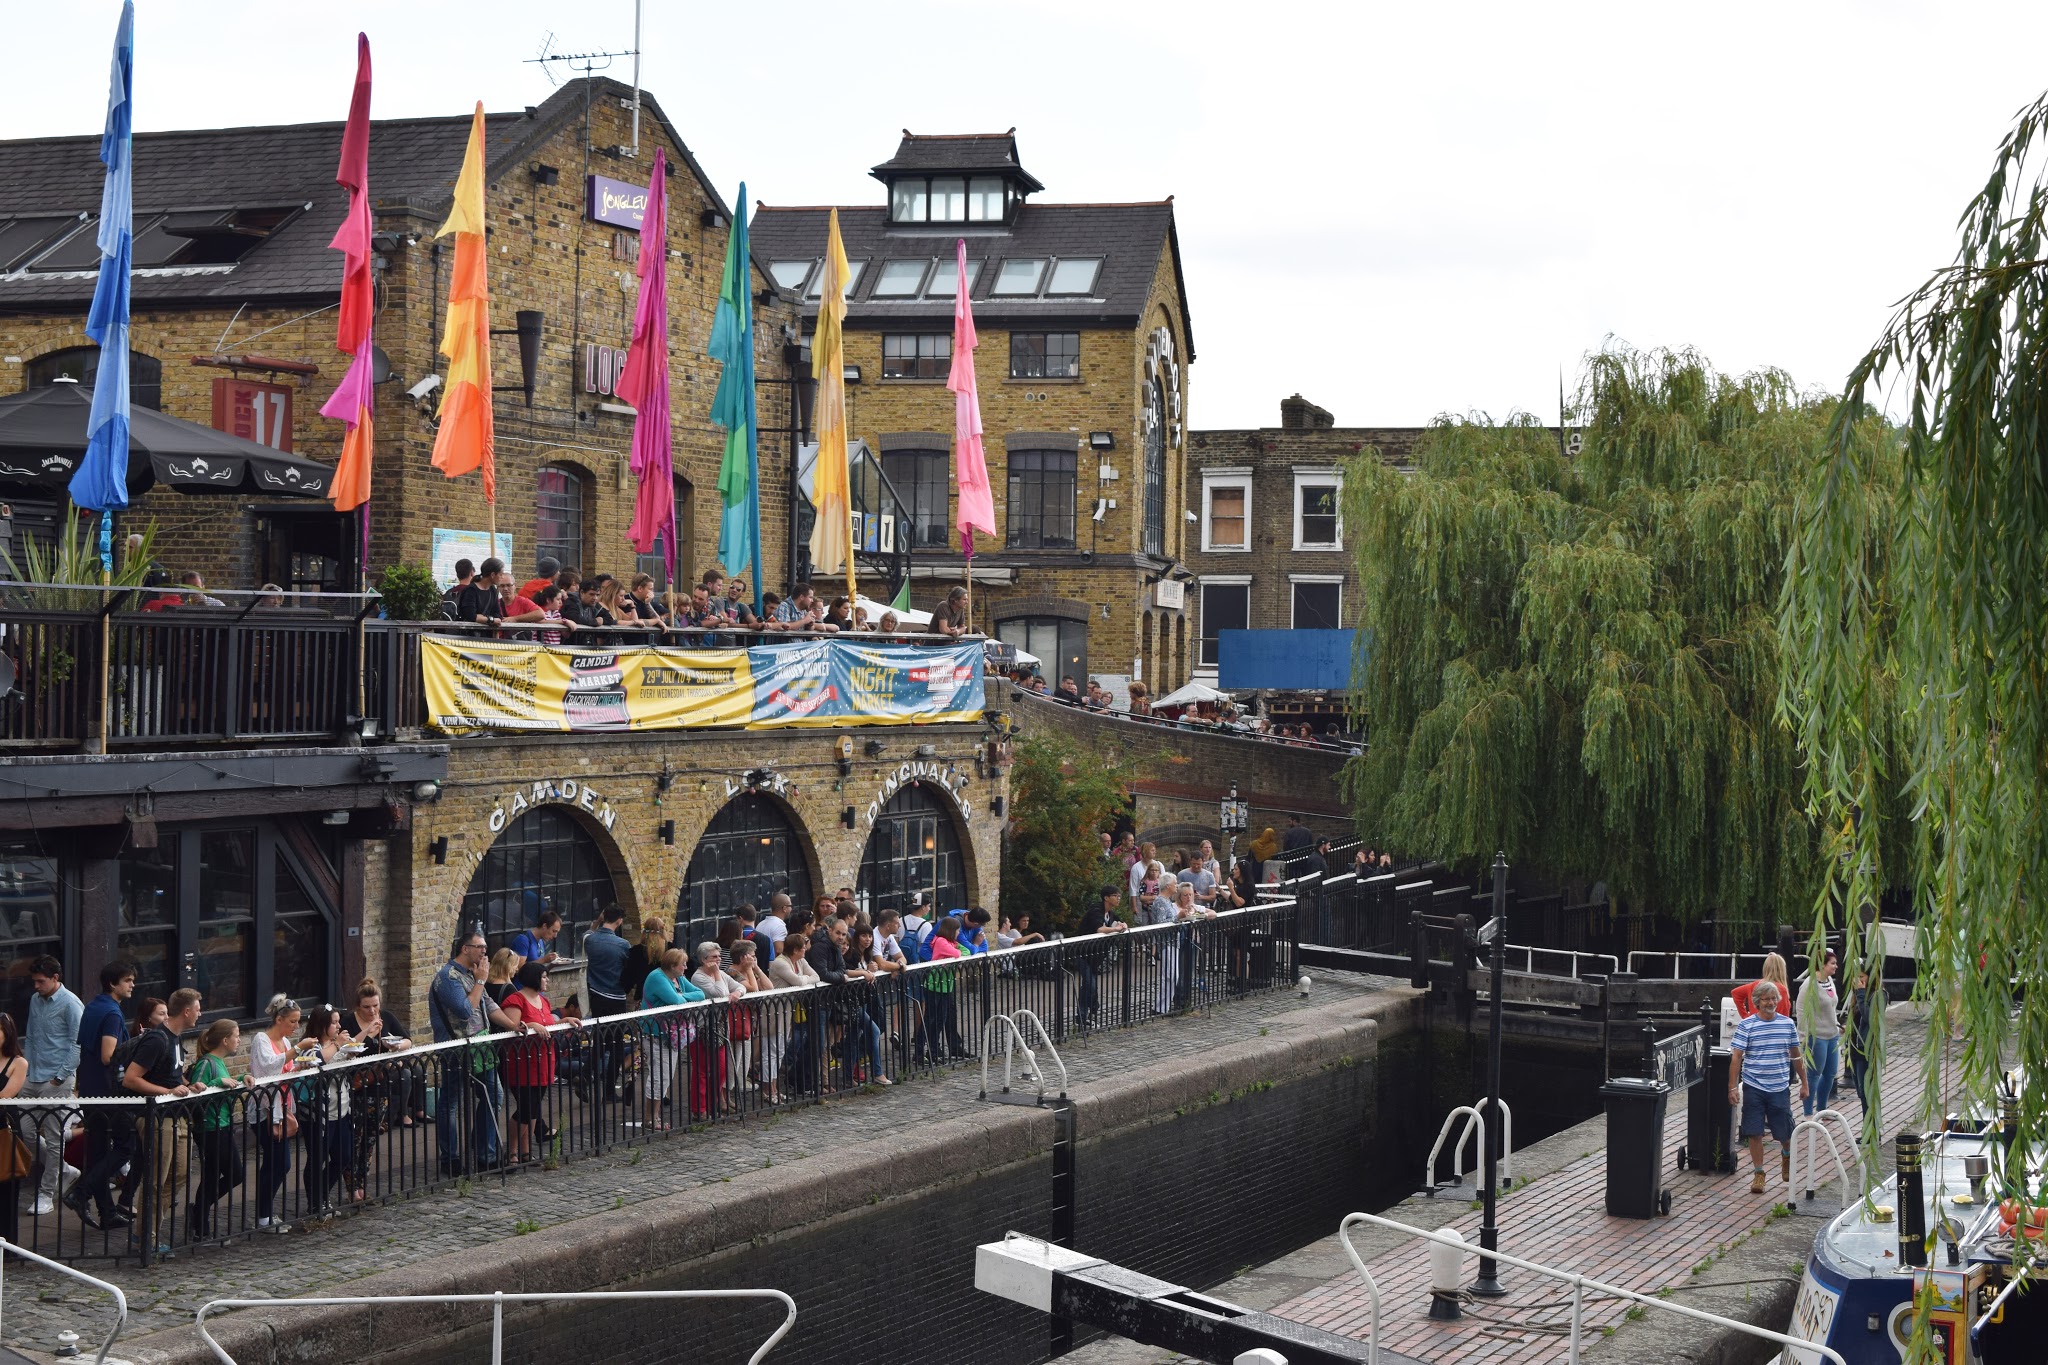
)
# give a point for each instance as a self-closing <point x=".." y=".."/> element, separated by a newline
<point x="1181" y="775"/>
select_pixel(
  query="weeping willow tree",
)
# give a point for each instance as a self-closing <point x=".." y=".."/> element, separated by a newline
<point x="1575" y="658"/>
<point x="1916" y="624"/>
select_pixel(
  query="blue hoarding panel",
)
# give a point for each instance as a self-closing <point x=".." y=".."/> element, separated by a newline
<point x="1284" y="660"/>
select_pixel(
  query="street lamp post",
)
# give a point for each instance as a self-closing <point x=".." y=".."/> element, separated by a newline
<point x="1488" y="1284"/>
<point x="1233" y="817"/>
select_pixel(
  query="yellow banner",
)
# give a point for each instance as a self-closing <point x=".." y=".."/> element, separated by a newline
<point x="475" y="685"/>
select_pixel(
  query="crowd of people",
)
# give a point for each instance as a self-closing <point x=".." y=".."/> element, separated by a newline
<point x="1781" y="1038"/>
<point x="562" y="601"/>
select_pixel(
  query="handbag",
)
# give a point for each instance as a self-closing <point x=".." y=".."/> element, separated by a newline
<point x="17" y="1159"/>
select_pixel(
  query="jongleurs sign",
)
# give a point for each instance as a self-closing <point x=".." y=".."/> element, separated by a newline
<point x="254" y="411"/>
<point x="615" y="202"/>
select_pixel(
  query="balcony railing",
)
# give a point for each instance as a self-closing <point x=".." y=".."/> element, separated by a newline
<point x="300" y="668"/>
<point x="330" y="1140"/>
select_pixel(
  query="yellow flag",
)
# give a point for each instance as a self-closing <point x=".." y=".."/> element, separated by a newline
<point x="465" y="440"/>
<point x="830" y="495"/>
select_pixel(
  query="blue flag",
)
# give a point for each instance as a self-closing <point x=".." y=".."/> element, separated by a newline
<point x="739" y="473"/>
<point x="100" y="483"/>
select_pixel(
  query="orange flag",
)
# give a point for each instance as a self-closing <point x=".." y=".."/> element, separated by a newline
<point x="464" y="441"/>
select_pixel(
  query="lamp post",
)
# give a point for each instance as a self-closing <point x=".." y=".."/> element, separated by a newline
<point x="1233" y="816"/>
<point x="1494" y="935"/>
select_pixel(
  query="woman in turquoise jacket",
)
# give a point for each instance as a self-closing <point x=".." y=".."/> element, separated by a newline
<point x="667" y="1035"/>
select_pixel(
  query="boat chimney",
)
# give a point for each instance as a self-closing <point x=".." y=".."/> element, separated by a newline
<point x="1912" y="1202"/>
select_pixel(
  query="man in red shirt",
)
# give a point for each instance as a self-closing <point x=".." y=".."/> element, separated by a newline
<point x="548" y="567"/>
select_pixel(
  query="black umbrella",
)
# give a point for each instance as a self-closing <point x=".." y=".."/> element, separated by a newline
<point x="42" y="434"/>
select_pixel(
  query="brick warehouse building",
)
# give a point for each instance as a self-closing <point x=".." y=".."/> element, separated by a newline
<point x="316" y="833"/>
<point x="1269" y="551"/>
<point x="1083" y="366"/>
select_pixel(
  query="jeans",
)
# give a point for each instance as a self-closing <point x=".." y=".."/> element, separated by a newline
<point x="43" y="1130"/>
<point x="110" y="1136"/>
<point x="1823" y="1064"/>
<point x="220" y="1170"/>
<point x="614" y="1045"/>
<point x="466" y="1116"/>
<point x="1084" y="999"/>
<point x="330" y="1148"/>
<point x="273" y="1167"/>
<point x="941" y="1033"/>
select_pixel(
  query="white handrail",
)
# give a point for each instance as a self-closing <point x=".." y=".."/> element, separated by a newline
<point x="1012" y="1028"/>
<point x="120" y="1299"/>
<point x="1734" y="961"/>
<point x="1529" y="952"/>
<point x="498" y="1302"/>
<point x="1813" y="1125"/>
<point x="1507" y="1141"/>
<point x="1473" y="1116"/>
<point x="1579" y="1284"/>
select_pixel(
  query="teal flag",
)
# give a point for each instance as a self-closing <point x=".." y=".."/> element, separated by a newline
<point x="732" y="345"/>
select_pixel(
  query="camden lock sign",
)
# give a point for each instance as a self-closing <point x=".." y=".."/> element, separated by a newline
<point x="564" y="791"/>
<point x="920" y="770"/>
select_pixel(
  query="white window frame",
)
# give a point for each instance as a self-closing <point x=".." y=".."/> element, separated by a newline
<point x="1294" y="578"/>
<point x="1212" y="479"/>
<point x="1202" y="585"/>
<point x="1304" y="478"/>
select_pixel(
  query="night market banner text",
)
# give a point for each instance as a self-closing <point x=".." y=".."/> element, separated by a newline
<point x="482" y="685"/>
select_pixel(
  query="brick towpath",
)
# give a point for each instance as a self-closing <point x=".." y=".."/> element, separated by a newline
<point x="326" y="1259"/>
<point x="1558" y="1217"/>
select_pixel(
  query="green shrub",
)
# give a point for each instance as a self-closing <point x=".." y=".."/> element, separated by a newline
<point x="409" y="593"/>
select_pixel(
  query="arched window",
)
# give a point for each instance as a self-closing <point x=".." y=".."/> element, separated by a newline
<point x="82" y="363"/>
<point x="558" y="514"/>
<point x="913" y="847"/>
<point x="545" y="860"/>
<point x="748" y="852"/>
<point x="1155" y="468"/>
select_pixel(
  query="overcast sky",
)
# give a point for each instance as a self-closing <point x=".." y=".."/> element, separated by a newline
<point x="1398" y="210"/>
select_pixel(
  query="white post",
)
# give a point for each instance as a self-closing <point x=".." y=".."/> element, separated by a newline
<point x="498" y="1328"/>
<point x="1578" y="1311"/>
<point x="636" y="78"/>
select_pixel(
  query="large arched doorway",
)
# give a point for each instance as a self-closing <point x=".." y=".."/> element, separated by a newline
<point x="913" y="847"/>
<point x="545" y="860"/>
<point x="749" y="851"/>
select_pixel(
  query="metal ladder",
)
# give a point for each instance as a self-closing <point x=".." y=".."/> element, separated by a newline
<point x="1475" y="1124"/>
<point x="1010" y="1028"/>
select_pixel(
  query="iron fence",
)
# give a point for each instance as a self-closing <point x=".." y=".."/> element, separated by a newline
<point x="158" y="1176"/>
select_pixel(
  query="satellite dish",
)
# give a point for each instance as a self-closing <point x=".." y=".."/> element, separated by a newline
<point x="380" y="366"/>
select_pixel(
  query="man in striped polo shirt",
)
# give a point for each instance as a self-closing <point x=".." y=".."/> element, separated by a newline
<point x="1767" y="1055"/>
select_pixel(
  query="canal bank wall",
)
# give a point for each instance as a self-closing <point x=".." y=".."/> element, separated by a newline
<point x="1190" y="1169"/>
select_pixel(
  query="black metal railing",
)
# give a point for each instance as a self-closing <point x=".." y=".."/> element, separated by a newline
<point x="265" y="668"/>
<point x="325" y="1141"/>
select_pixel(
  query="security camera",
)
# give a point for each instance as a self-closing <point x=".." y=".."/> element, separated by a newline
<point x="424" y="387"/>
<point x="1101" y="507"/>
<point x="1189" y="513"/>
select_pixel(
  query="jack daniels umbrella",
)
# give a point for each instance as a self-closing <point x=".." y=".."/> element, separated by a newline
<point x="43" y="433"/>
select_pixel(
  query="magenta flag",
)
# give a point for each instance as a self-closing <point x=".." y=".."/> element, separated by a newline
<point x="970" y="463"/>
<point x="644" y="381"/>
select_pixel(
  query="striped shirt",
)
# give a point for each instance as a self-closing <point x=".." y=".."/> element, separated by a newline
<point x="1767" y="1046"/>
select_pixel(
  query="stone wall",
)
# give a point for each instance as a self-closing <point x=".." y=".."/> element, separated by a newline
<point x="1180" y="775"/>
<point x="613" y="786"/>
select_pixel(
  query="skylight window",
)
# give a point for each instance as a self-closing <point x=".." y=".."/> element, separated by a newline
<point x="947" y="276"/>
<point x="1074" y="276"/>
<point x="21" y="238"/>
<point x="1019" y="276"/>
<point x="790" y="274"/>
<point x="900" y="279"/>
<point x="161" y="243"/>
<point x="853" y="269"/>
<point x="79" y="251"/>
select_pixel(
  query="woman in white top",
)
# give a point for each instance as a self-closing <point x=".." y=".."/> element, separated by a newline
<point x="326" y="1121"/>
<point x="719" y="984"/>
<point x="792" y="1027"/>
<point x="273" y="1113"/>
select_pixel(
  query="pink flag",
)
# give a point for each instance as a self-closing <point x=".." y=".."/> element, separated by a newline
<point x="644" y="381"/>
<point x="970" y="465"/>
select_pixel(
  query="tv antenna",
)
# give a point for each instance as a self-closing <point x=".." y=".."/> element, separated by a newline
<point x="588" y="63"/>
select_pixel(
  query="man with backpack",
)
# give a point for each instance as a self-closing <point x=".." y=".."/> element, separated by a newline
<point x="109" y="1132"/>
<point x="150" y="1064"/>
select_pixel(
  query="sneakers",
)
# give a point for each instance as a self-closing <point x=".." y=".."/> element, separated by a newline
<point x="43" y="1206"/>
<point x="1756" y="1181"/>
